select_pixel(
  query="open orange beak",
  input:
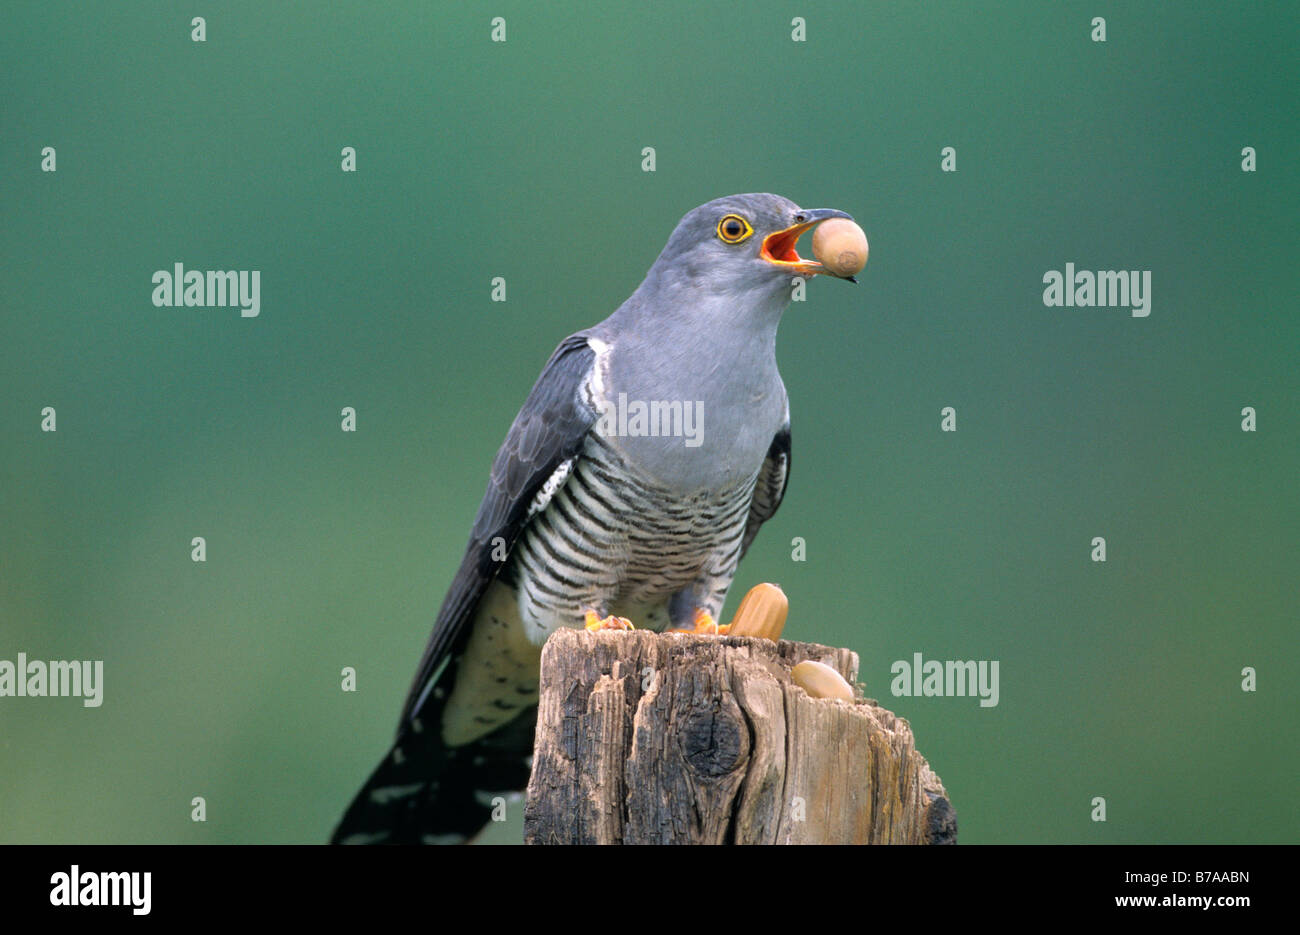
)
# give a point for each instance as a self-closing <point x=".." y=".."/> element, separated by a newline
<point x="779" y="248"/>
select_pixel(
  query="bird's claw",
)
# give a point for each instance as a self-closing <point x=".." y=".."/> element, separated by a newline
<point x="705" y="625"/>
<point x="593" y="622"/>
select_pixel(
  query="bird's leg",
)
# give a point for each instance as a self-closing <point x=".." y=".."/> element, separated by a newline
<point x="594" y="621"/>
<point x="694" y="609"/>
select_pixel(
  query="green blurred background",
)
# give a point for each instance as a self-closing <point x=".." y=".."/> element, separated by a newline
<point x="523" y="160"/>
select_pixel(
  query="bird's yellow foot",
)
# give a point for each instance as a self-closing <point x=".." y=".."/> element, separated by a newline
<point x="704" y="623"/>
<point x="594" y="621"/>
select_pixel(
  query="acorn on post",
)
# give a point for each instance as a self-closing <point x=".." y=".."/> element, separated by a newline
<point x="762" y="613"/>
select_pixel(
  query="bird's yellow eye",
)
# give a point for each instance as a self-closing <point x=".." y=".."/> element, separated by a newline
<point x="733" y="229"/>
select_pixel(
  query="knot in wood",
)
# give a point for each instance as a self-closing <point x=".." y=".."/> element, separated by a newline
<point x="715" y="741"/>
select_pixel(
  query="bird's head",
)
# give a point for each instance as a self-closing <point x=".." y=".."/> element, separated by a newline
<point x="742" y="244"/>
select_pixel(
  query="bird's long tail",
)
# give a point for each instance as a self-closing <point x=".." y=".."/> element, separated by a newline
<point x="425" y="792"/>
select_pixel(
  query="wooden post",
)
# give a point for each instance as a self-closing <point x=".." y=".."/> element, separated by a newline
<point x="645" y="738"/>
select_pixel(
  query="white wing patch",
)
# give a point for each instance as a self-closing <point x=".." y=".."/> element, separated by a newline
<point x="386" y="794"/>
<point x="594" y="385"/>
<point x="553" y="483"/>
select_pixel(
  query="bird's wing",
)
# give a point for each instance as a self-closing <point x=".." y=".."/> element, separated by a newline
<point x="770" y="487"/>
<point x="547" y="434"/>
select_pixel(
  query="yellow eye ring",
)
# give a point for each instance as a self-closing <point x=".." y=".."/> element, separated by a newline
<point x="733" y="229"/>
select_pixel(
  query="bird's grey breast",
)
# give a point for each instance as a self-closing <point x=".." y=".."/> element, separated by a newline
<point x="692" y="416"/>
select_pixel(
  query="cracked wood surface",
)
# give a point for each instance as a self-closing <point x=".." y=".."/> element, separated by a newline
<point x="645" y="738"/>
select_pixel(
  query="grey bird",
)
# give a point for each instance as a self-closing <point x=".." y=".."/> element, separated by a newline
<point x="643" y="462"/>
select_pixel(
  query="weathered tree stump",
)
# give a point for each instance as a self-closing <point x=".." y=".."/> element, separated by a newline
<point x="645" y="738"/>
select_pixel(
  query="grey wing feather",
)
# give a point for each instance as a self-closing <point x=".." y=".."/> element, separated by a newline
<point x="769" y="490"/>
<point x="549" y="430"/>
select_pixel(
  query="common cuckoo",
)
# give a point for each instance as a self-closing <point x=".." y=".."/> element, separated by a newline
<point x="651" y="449"/>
